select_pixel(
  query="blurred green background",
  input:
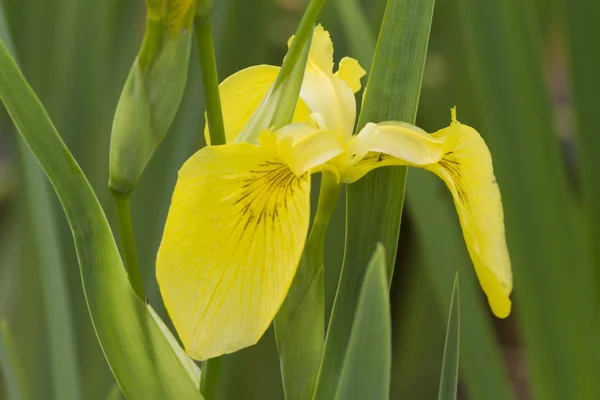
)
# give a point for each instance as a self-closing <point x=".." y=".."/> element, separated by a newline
<point x="524" y="73"/>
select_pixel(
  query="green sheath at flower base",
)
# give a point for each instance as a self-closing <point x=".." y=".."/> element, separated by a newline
<point x="204" y="8"/>
<point x="152" y="92"/>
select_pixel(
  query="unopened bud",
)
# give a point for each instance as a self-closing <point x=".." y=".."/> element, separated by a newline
<point x="151" y="95"/>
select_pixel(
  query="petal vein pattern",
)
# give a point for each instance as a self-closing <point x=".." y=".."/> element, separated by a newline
<point x="467" y="170"/>
<point x="232" y="242"/>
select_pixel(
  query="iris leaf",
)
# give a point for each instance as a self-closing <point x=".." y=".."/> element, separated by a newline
<point x="366" y="369"/>
<point x="374" y="203"/>
<point x="554" y="285"/>
<point x="12" y="374"/>
<point x="449" y="376"/>
<point x="59" y="320"/>
<point x="138" y="353"/>
<point x="582" y="25"/>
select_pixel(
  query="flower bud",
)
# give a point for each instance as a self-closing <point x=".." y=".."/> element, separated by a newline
<point x="152" y="92"/>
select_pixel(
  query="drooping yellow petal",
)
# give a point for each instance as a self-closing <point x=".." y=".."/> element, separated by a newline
<point x="232" y="242"/>
<point x="460" y="157"/>
<point x="304" y="147"/>
<point x="241" y="94"/>
<point x="467" y="169"/>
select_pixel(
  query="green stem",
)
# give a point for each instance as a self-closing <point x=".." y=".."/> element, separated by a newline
<point x="211" y="378"/>
<point x="128" y="243"/>
<point x="210" y="80"/>
<point x="305" y="29"/>
<point x="328" y="196"/>
<point x="304" y="307"/>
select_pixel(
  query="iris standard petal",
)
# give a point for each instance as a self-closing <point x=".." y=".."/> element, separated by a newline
<point x="350" y="72"/>
<point x="241" y="94"/>
<point x="327" y="93"/>
<point x="232" y="242"/>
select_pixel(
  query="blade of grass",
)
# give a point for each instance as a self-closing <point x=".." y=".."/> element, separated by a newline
<point x="555" y="303"/>
<point x="16" y="387"/>
<point x="449" y="375"/>
<point x="366" y="369"/>
<point x="128" y="334"/>
<point x="374" y="204"/>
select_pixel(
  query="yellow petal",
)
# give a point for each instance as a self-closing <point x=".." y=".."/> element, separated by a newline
<point x="326" y="93"/>
<point x="389" y="143"/>
<point x="460" y="157"/>
<point x="467" y="169"/>
<point x="350" y="72"/>
<point x="305" y="148"/>
<point x="232" y="242"/>
<point x="241" y="94"/>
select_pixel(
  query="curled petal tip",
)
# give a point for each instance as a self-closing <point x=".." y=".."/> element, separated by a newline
<point x="501" y="307"/>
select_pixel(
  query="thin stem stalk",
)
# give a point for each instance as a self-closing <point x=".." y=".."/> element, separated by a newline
<point x="210" y="80"/>
<point x="211" y="378"/>
<point x="123" y="207"/>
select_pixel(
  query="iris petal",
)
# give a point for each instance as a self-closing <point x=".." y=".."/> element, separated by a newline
<point x="232" y="242"/>
<point x="460" y="157"/>
<point x="241" y="94"/>
<point x="305" y="148"/>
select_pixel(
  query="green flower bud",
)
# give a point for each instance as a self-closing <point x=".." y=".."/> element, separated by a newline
<point x="151" y="95"/>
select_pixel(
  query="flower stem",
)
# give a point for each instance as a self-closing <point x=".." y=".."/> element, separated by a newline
<point x="210" y="79"/>
<point x="211" y="377"/>
<point x="304" y="307"/>
<point x="328" y="196"/>
<point x="128" y="243"/>
<point x="211" y="369"/>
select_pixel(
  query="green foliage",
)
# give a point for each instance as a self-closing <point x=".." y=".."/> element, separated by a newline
<point x="10" y="366"/>
<point x="125" y="328"/>
<point x="374" y="204"/>
<point x="543" y="227"/>
<point x="366" y="368"/>
<point x="449" y="376"/>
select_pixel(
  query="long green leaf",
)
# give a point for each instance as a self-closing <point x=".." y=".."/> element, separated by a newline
<point x="374" y="204"/>
<point x="62" y="343"/>
<point x="139" y="355"/>
<point x="449" y="376"/>
<point x="366" y="369"/>
<point x="10" y="366"/>
<point x="555" y="295"/>
<point x="582" y="31"/>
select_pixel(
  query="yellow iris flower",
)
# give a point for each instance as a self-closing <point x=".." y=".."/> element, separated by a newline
<point x="240" y="212"/>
